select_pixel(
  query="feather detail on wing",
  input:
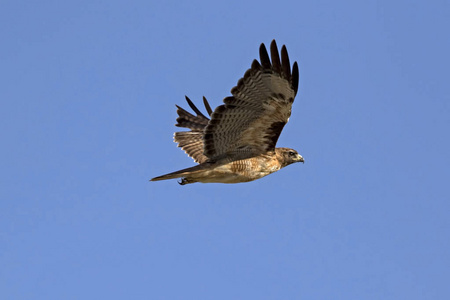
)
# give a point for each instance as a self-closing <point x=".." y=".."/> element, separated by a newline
<point x="192" y="141"/>
<point x="250" y="121"/>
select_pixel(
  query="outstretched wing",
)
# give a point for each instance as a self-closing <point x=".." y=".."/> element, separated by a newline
<point x="250" y="122"/>
<point x="192" y="141"/>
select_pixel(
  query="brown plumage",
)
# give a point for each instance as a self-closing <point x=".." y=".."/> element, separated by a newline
<point x="238" y="143"/>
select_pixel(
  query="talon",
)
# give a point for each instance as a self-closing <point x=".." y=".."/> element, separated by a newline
<point x="183" y="181"/>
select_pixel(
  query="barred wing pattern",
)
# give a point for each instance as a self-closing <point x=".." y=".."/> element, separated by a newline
<point x="192" y="141"/>
<point x="250" y="121"/>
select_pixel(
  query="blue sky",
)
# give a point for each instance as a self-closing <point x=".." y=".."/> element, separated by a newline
<point x="88" y="93"/>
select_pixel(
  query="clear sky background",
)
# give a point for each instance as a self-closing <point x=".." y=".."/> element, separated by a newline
<point x="88" y="93"/>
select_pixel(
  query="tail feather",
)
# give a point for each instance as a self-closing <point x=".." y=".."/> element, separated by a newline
<point x="180" y="173"/>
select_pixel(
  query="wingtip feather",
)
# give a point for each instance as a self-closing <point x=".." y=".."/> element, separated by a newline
<point x="194" y="108"/>
<point x="295" y="77"/>
<point x="285" y="64"/>
<point x="264" y="57"/>
<point x="207" y="106"/>
<point x="276" y="63"/>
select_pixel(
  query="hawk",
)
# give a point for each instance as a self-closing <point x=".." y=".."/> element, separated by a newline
<point x="238" y="143"/>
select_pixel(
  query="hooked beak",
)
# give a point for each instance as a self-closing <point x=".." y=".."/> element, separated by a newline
<point x="300" y="159"/>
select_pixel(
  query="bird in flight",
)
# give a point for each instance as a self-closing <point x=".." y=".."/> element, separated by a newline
<point x="237" y="143"/>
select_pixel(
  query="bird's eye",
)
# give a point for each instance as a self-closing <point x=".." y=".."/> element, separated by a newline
<point x="291" y="153"/>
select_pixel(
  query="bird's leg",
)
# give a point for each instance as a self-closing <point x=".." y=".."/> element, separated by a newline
<point x="183" y="181"/>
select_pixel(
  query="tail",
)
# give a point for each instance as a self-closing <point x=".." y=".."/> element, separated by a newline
<point x="181" y="173"/>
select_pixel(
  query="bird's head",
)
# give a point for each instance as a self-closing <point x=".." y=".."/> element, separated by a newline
<point x="288" y="156"/>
